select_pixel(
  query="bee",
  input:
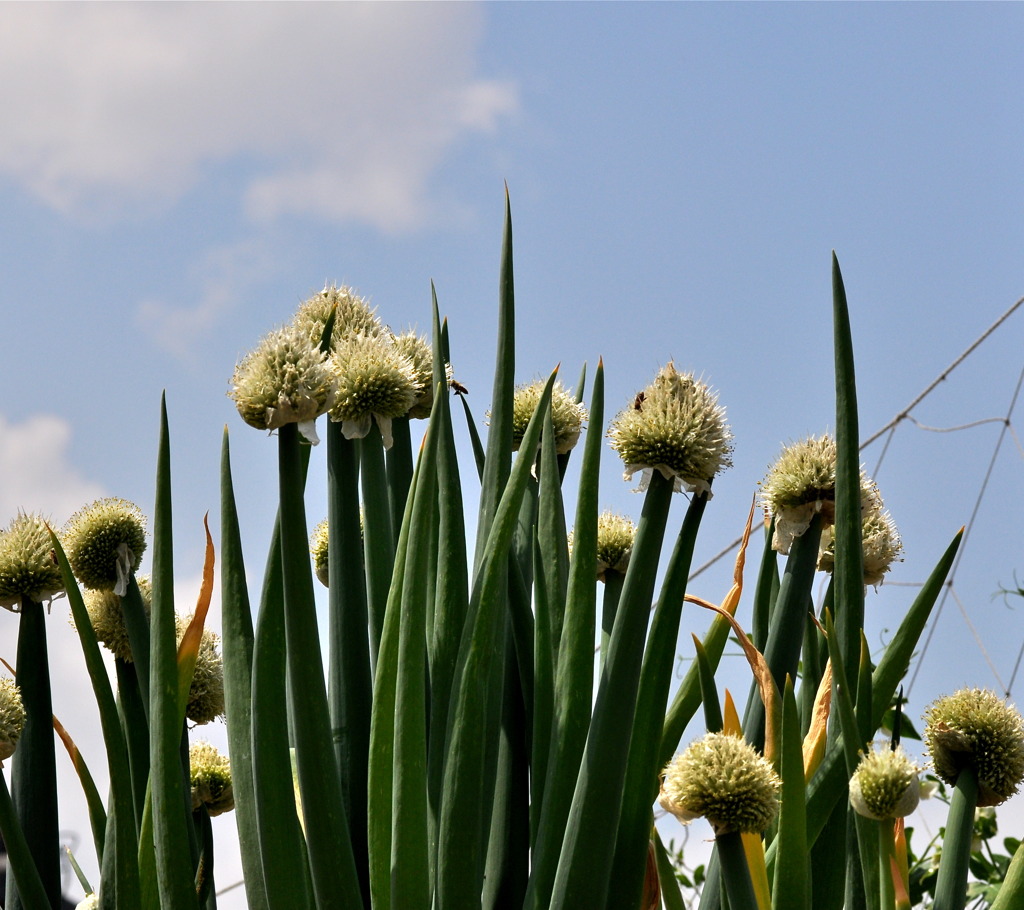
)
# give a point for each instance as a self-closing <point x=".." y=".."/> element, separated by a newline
<point x="638" y="402"/>
<point x="458" y="388"/>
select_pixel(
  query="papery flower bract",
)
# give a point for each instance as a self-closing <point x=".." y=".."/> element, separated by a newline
<point x="674" y="426"/>
<point x="104" y="543"/>
<point x="284" y="380"/>
<point x="976" y="728"/>
<point x="12" y="717"/>
<point x="28" y="567"/>
<point x="725" y="780"/>
<point x="374" y="381"/>
<point x="318" y="549"/>
<point x="107" y="617"/>
<point x="353" y="315"/>
<point x="417" y="349"/>
<point x="615" y="535"/>
<point x="802" y="484"/>
<point x="206" y="692"/>
<point x="567" y="414"/>
<point x="90" y="902"/>
<point x="210" y="775"/>
<point x="885" y="785"/>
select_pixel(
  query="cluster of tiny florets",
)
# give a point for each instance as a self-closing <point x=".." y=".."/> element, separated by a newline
<point x="104" y="542"/>
<point x="615" y="535"/>
<point x="417" y="349"/>
<point x="284" y="380"/>
<point x="724" y="779"/>
<point x="206" y="693"/>
<point x="28" y="567"/>
<point x="885" y="785"/>
<point x="976" y="728"/>
<point x="210" y="775"/>
<point x="567" y="414"/>
<point x="318" y="549"/>
<point x="106" y="614"/>
<point x="352" y="316"/>
<point x="373" y="381"/>
<point x="674" y="426"/>
<point x="12" y="717"/>
<point x="802" y="484"/>
<point x="880" y="541"/>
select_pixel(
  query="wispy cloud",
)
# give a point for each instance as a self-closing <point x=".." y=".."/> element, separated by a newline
<point x="37" y="472"/>
<point x="223" y="278"/>
<point x="341" y="111"/>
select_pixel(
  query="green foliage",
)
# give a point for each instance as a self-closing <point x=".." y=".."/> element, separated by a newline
<point x="468" y="744"/>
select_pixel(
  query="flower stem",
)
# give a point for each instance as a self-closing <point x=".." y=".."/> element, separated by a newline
<point x="34" y="765"/>
<point x="951" y="886"/>
<point x="735" y="872"/>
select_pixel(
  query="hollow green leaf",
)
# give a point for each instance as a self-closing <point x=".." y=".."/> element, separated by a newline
<point x="238" y="639"/>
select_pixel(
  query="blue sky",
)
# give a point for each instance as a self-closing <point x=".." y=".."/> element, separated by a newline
<point x="174" y="179"/>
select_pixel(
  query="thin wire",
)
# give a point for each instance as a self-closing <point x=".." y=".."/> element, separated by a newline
<point x="967" y="532"/>
<point x="892" y="424"/>
<point x="906" y="411"/>
<point x="977" y="639"/>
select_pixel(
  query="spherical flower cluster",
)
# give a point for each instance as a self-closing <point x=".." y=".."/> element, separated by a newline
<point x="674" y="426"/>
<point x="107" y="617"/>
<point x="567" y="414"/>
<point x="104" y="543"/>
<point x="373" y="381"/>
<point x="206" y="693"/>
<point x="802" y="484"/>
<point x="12" y="717"/>
<point x="28" y="567"/>
<point x="885" y="785"/>
<point x="725" y="780"/>
<point x="615" y="535"/>
<point x="975" y="728"/>
<point x="285" y="380"/>
<point x="417" y="349"/>
<point x="318" y="550"/>
<point x="352" y="316"/>
<point x="210" y="774"/>
<point x="90" y="902"/>
<point x="880" y="541"/>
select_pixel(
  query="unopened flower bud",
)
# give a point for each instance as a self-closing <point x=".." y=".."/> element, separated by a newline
<point x="674" y="426"/>
<point x="975" y="728"/>
<point x="104" y="543"/>
<point x="210" y="774"/>
<point x="28" y="567"/>
<point x="12" y="717"/>
<point x="725" y="780"/>
<point x="885" y="785"/>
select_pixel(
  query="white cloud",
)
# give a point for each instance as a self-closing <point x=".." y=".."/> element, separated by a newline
<point x="336" y="110"/>
<point x="36" y="471"/>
